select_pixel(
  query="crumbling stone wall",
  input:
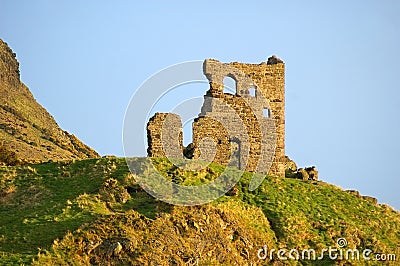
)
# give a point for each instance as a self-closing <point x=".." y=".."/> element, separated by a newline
<point x="270" y="78"/>
<point x="165" y="128"/>
<point x="246" y="130"/>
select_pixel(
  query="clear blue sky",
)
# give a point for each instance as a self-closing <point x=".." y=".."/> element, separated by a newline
<point x="83" y="60"/>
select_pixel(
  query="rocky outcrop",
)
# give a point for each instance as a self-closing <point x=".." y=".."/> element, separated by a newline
<point x="291" y="171"/>
<point x="358" y="195"/>
<point x="26" y="128"/>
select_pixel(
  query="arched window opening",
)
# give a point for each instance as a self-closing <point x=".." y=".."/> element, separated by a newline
<point x="229" y="85"/>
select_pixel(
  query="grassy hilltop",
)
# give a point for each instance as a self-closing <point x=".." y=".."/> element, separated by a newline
<point x="85" y="210"/>
<point x="93" y="212"/>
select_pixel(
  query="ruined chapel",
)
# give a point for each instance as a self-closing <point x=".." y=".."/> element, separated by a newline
<point x="245" y="129"/>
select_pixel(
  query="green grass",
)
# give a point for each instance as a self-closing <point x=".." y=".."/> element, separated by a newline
<point x="43" y="204"/>
<point x="38" y="211"/>
<point x="310" y="214"/>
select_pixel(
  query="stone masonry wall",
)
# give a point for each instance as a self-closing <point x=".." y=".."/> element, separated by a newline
<point x="165" y="128"/>
<point x="270" y="77"/>
<point x="246" y="130"/>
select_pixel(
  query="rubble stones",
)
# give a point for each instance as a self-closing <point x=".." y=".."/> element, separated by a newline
<point x="312" y="173"/>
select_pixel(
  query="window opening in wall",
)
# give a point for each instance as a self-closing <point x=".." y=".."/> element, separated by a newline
<point x="252" y="91"/>
<point x="235" y="156"/>
<point x="229" y="85"/>
<point x="266" y="112"/>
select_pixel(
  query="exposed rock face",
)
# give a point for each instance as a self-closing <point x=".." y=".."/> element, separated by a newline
<point x="291" y="171"/>
<point x="312" y="172"/>
<point x="26" y="128"/>
<point x="358" y="195"/>
<point x="290" y="167"/>
<point x="302" y="174"/>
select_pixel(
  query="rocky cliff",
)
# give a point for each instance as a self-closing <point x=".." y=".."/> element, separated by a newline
<point x="26" y="128"/>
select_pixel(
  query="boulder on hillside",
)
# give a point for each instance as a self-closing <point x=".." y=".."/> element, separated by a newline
<point x="307" y="173"/>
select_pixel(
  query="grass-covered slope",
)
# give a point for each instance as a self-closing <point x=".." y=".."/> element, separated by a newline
<point x="26" y="128"/>
<point x="93" y="212"/>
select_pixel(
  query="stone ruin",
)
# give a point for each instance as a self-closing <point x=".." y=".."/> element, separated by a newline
<point x="245" y="130"/>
